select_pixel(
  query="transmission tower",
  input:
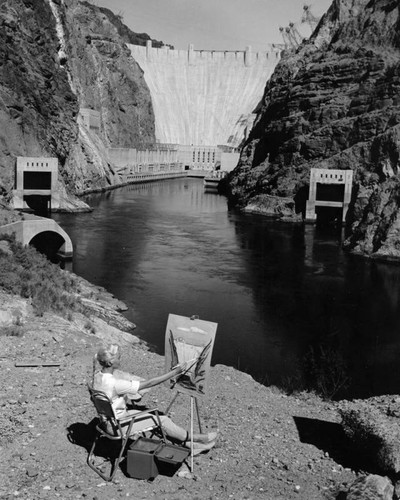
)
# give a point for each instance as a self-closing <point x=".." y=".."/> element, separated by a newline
<point x="295" y="33"/>
<point x="308" y="17"/>
<point x="285" y="37"/>
<point x="291" y="36"/>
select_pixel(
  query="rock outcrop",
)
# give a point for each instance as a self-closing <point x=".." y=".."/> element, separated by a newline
<point x="334" y="103"/>
<point x="373" y="429"/>
<point x="371" y="487"/>
<point x="57" y="57"/>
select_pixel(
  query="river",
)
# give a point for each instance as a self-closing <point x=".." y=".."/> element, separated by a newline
<point x="292" y="309"/>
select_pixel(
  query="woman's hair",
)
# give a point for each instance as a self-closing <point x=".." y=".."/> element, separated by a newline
<point x="106" y="356"/>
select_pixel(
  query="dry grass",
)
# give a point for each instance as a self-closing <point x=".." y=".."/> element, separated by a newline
<point x="29" y="274"/>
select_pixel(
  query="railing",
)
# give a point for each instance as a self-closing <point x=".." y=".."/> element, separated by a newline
<point x="137" y="177"/>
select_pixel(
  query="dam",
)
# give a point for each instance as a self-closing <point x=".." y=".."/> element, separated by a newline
<point x="204" y="98"/>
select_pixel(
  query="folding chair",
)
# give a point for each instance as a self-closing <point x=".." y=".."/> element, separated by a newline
<point x="115" y="429"/>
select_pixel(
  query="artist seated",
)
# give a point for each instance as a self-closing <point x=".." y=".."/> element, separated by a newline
<point x="121" y="387"/>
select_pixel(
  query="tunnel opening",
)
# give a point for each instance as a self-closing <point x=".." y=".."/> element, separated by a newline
<point x="49" y="244"/>
<point x="329" y="217"/>
<point x="40" y="204"/>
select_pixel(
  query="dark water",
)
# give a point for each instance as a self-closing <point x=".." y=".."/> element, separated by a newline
<point x="292" y="309"/>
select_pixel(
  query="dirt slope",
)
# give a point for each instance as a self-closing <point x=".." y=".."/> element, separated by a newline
<point x="271" y="446"/>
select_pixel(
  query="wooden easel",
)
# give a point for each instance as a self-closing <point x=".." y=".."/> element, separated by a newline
<point x="193" y="403"/>
<point x="191" y="340"/>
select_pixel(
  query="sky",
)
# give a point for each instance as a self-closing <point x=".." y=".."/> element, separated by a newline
<point x="214" y="24"/>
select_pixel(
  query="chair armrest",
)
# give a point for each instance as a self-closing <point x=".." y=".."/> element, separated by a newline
<point x="135" y="415"/>
<point x="132" y="418"/>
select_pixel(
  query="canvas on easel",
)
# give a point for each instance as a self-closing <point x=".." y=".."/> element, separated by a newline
<point x="190" y="340"/>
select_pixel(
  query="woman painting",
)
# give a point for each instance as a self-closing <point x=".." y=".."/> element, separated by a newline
<point x="122" y="387"/>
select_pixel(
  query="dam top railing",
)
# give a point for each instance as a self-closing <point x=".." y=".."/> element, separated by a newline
<point x="246" y="57"/>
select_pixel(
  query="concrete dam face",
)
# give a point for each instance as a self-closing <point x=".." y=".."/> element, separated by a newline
<point x="204" y="97"/>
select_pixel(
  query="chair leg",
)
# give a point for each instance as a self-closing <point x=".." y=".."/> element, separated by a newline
<point x="90" y="461"/>
<point x="116" y="463"/>
<point x="114" y="467"/>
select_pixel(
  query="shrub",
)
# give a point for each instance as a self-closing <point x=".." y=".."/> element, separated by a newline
<point x="29" y="274"/>
<point x="326" y="370"/>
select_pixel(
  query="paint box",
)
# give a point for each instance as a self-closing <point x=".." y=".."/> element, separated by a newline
<point x="172" y="454"/>
<point x="140" y="460"/>
<point x="169" y="458"/>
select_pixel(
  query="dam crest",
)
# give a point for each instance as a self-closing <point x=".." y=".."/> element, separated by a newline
<point x="192" y="56"/>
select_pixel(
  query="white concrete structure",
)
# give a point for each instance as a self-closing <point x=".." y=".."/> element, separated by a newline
<point x="130" y="160"/>
<point x="90" y="118"/>
<point x="328" y="176"/>
<point x="36" y="176"/>
<point x="32" y="226"/>
<point x="171" y="157"/>
<point x="141" y="166"/>
<point x="199" y="157"/>
<point x="204" y="98"/>
<point x="148" y="159"/>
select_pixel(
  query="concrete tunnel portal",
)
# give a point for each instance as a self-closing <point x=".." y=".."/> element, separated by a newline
<point x="49" y="243"/>
<point x="43" y="234"/>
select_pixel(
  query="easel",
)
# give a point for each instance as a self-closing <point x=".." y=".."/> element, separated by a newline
<point x="189" y="337"/>
<point x="193" y="403"/>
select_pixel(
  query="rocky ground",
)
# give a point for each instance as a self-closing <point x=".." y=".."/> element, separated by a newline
<point x="270" y="446"/>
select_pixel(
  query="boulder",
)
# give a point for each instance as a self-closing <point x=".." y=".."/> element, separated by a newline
<point x="374" y="431"/>
<point x="371" y="487"/>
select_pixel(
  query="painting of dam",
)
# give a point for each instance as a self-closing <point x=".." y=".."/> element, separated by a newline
<point x="204" y="97"/>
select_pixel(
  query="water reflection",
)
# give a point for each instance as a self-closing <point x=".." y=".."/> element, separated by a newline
<point x="291" y="308"/>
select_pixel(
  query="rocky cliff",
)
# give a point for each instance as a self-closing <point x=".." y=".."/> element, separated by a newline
<point x="334" y="103"/>
<point x="56" y="57"/>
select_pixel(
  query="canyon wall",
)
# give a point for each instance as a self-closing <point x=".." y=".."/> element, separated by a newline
<point x="57" y="57"/>
<point x="334" y="103"/>
<point x="204" y="97"/>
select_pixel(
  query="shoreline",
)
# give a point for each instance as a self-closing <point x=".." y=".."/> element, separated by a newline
<point x="287" y="219"/>
<point x="12" y="215"/>
<point x="253" y="455"/>
<point x="271" y="445"/>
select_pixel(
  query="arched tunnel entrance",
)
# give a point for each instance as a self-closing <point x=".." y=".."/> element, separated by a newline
<point x="49" y="244"/>
<point x="40" y="204"/>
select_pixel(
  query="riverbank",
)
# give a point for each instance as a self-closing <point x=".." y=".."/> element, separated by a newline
<point x="271" y="445"/>
<point x="267" y="447"/>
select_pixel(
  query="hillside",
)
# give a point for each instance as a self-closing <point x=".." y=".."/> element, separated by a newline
<point x="271" y="446"/>
<point x="56" y="58"/>
<point x="334" y="103"/>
